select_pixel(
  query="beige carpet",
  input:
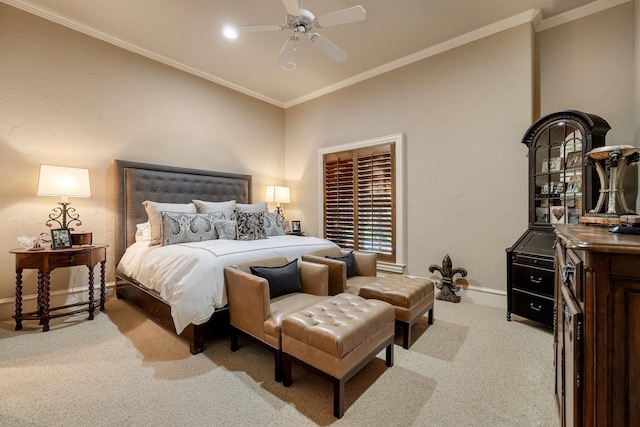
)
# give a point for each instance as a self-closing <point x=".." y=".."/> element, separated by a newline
<point x="470" y="368"/>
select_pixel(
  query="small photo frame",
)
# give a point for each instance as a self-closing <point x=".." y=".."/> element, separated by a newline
<point x="295" y="226"/>
<point x="574" y="159"/>
<point x="285" y="226"/>
<point x="60" y="238"/>
<point x="554" y="164"/>
<point x="545" y="166"/>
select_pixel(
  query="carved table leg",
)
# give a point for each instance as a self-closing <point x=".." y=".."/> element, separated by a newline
<point x="102" y="285"/>
<point x="45" y="287"/>
<point x="91" y="305"/>
<point x="18" y="315"/>
<point x="39" y="300"/>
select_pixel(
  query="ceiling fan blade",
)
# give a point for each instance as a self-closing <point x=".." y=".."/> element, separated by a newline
<point x="344" y="16"/>
<point x="327" y="47"/>
<point x="292" y="6"/>
<point x="258" y="28"/>
<point x="284" y="59"/>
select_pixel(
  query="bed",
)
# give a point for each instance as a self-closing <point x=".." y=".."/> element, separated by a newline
<point x="200" y="280"/>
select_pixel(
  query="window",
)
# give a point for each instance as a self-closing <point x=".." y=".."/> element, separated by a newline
<point x="360" y="195"/>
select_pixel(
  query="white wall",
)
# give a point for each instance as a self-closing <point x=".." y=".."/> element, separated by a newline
<point x="463" y="113"/>
<point x="68" y="99"/>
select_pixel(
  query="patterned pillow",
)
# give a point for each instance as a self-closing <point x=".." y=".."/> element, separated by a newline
<point x="154" y="209"/>
<point x="282" y="280"/>
<point x="181" y="227"/>
<point x="273" y="225"/>
<point x="250" y="225"/>
<point x="226" y="229"/>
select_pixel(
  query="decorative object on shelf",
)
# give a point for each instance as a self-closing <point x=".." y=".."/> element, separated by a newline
<point x="447" y="288"/>
<point x="615" y="159"/>
<point x="30" y="243"/>
<point x="60" y="238"/>
<point x="64" y="182"/>
<point x="277" y="194"/>
<point x="295" y="226"/>
<point x="81" y="238"/>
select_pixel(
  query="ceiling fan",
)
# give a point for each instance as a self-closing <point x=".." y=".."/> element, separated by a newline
<point x="302" y="23"/>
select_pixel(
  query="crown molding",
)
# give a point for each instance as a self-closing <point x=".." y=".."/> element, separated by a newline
<point x="577" y="13"/>
<point x="50" y="15"/>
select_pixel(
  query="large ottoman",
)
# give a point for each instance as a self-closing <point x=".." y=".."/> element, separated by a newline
<point x="411" y="297"/>
<point x="337" y="338"/>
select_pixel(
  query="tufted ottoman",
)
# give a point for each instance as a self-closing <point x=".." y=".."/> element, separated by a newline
<point x="336" y="338"/>
<point x="411" y="297"/>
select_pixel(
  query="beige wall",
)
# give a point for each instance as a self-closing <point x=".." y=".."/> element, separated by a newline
<point x="463" y="114"/>
<point x="68" y="99"/>
<point x="590" y="65"/>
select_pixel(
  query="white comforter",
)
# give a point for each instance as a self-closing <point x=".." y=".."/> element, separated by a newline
<point x="190" y="276"/>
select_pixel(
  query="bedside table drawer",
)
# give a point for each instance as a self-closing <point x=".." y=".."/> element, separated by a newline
<point x="69" y="259"/>
<point x="533" y="279"/>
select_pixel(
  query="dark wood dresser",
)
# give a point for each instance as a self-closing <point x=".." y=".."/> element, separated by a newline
<point x="597" y="326"/>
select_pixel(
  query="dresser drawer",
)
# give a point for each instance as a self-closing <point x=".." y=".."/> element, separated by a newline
<point x="533" y="260"/>
<point x="69" y="259"/>
<point x="532" y="306"/>
<point x="533" y="279"/>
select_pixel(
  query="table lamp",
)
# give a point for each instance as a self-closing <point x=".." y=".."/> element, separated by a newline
<point x="63" y="182"/>
<point x="277" y="194"/>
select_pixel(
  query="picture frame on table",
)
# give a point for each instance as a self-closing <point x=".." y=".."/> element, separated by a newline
<point x="285" y="226"/>
<point x="295" y="227"/>
<point x="61" y="238"/>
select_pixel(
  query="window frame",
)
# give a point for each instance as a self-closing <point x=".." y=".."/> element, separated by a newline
<point x="398" y="139"/>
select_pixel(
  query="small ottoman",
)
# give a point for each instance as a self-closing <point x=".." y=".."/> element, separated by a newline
<point x="336" y="338"/>
<point x="411" y="297"/>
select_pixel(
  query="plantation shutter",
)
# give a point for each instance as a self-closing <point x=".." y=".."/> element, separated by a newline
<point x="359" y="199"/>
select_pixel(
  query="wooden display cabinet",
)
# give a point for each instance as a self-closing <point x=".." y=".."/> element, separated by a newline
<point x="561" y="190"/>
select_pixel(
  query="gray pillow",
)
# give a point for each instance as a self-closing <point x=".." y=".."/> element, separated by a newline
<point x="272" y="224"/>
<point x="181" y="227"/>
<point x="226" y="229"/>
<point x="282" y="280"/>
<point x="208" y="207"/>
<point x="349" y="260"/>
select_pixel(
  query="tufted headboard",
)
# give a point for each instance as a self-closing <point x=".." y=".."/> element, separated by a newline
<point x="137" y="182"/>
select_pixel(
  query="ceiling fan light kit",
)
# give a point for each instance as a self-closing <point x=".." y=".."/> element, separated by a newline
<point x="302" y="22"/>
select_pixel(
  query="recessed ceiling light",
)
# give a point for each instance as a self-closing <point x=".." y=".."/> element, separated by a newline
<point x="230" y="33"/>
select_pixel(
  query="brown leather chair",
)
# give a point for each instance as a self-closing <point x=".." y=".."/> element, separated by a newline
<point x="365" y="269"/>
<point x="254" y="313"/>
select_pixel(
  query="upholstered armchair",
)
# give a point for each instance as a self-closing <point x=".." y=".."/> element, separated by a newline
<point x="340" y="278"/>
<point x="258" y="305"/>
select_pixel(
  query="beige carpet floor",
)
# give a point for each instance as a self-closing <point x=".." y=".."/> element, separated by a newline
<point x="470" y="368"/>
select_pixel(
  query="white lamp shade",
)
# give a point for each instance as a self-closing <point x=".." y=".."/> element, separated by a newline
<point x="63" y="181"/>
<point x="277" y="194"/>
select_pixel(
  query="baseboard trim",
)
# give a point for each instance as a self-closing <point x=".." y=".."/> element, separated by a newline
<point x="58" y="299"/>
<point x="484" y="296"/>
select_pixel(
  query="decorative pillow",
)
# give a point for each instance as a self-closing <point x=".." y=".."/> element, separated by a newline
<point x="143" y="232"/>
<point x="272" y="224"/>
<point x="349" y="260"/>
<point x="250" y="225"/>
<point x="226" y="229"/>
<point x="208" y="207"/>
<point x="252" y="207"/>
<point x="153" y="213"/>
<point x="282" y="280"/>
<point x="179" y="227"/>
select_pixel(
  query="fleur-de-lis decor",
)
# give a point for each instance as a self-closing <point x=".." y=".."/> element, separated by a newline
<point x="447" y="288"/>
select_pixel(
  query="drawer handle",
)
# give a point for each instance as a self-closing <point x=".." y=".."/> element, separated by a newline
<point x="568" y="271"/>
<point x="532" y="307"/>
<point x="536" y="281"/>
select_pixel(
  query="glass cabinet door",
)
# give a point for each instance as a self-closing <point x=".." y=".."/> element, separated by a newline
<point x="557" y="174"/>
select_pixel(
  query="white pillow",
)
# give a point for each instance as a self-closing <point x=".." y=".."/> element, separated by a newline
<point x="252" y="207"/>
<point x="143" y="232"/>
<point x="211" y="207"/>
<point x="153" y="213"/>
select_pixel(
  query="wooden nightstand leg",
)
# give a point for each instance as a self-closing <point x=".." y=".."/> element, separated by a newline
<point x="102" y="285"/>
<point x="39" y="300"/>
<point x="46" y="282"/>
<point x="18" y="315"/>
<point x="91" y="306"/>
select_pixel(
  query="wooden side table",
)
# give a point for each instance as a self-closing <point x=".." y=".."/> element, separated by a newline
<point x="45" y="261"/>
